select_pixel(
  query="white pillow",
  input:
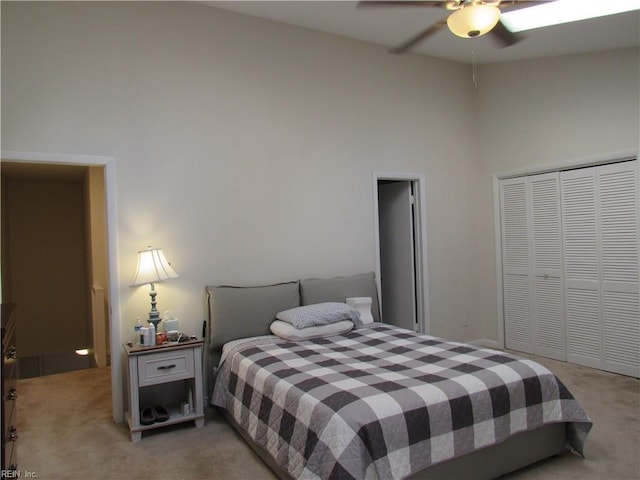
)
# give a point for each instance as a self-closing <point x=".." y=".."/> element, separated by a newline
<point x="289" y="332"/>
<point x="319" y="314"/>
<point x="363" y="306"/>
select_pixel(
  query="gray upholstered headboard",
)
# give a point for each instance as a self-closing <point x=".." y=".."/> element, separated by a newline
<point x="238" y="312"/>
<point x="337" y="289"/>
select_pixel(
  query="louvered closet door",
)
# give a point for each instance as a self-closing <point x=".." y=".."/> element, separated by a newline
<point x="619" y="238"/>
<point x="581" y="264"/>
<point x="546" y="268"/>
<point x="515" y="261"/>
<point x="601" y="237"/>
<point x="532" y="265"/>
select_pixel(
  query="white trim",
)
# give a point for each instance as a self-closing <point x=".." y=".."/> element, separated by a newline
<point x="560" y="166"/>
<point x="109" y="164"/>
<point x="422" y="278"/>
<point x="56" y="158"/>
<point x="571" y="164"/>
<point x="497" y="235"/>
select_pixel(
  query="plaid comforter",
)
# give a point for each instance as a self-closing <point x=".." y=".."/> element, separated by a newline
<point x="384" y="402"/>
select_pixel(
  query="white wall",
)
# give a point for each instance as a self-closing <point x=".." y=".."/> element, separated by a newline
<point x="244" y="147"/>
<point x="547" y="113"/>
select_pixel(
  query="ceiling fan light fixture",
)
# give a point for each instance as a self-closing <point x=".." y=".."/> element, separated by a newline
<point x="473" y="20"/>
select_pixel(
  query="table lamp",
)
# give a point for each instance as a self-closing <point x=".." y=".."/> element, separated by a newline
<point x="153" y="267"/>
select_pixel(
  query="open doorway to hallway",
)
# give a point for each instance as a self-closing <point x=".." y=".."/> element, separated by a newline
<point x="401" y="249"/>
<point x="54" y="265"/>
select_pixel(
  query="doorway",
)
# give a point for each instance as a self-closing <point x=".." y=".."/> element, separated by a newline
<point x="55" y="265"/>
<point x="401" y="250"/>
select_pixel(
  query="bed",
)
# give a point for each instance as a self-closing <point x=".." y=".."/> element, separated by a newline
<point x="378" y="401"/>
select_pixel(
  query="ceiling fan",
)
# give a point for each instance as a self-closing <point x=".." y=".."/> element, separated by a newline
<point x="469" y="19"/>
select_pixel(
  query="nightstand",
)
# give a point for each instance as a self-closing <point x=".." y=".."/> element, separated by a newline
<point x="165" y="375"/>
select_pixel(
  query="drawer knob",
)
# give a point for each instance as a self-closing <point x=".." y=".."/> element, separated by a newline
<point x="12" y="436"/>
<point x="167" y="367"/>
<point x="12" y="394"/>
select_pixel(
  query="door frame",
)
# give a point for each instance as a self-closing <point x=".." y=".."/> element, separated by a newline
<point x="109" y="164"/>
<point x="422" y="263"/>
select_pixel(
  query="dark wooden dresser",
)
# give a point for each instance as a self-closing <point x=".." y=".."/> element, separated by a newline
<point x="9" y="394"/>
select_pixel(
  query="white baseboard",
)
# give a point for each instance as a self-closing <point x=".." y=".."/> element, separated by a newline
<point x="485" y="343"/>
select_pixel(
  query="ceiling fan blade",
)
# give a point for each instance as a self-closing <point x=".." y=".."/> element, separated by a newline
<point x="434" y="3"/>
<point x="403" y="47"/>
<point x="504" y="4"/>
<point x="504" y="36"/>
<point x="517" y="4"/>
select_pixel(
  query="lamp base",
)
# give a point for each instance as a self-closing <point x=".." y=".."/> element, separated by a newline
<point x="155" y="322"/>
<point x="154" y="315"/>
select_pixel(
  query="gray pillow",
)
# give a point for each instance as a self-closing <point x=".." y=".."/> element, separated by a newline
<point x="240" y="312"/>
<point x="338" y="289"/>
<point x="319" y="314"/>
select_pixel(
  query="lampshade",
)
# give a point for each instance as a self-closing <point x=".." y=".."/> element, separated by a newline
<point x="152" y="267"/>
<point x="473" y="20"/>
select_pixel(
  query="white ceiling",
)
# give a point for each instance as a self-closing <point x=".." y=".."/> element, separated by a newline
<point x="392" y="26"/>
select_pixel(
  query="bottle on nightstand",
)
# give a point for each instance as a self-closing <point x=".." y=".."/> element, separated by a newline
<point x="136" y="339"/>
<point x="152" y="335"/>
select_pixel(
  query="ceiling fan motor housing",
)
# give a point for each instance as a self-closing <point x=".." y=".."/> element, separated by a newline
<point x="473" y="19"/>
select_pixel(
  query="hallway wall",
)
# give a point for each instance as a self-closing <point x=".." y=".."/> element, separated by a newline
<point x="45" y="223"/>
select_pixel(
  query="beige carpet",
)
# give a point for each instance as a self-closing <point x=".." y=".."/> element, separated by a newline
<point x="66" y="432"/>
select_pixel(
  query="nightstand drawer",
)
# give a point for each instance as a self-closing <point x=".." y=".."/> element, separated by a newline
<point x="164" y="367"/>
